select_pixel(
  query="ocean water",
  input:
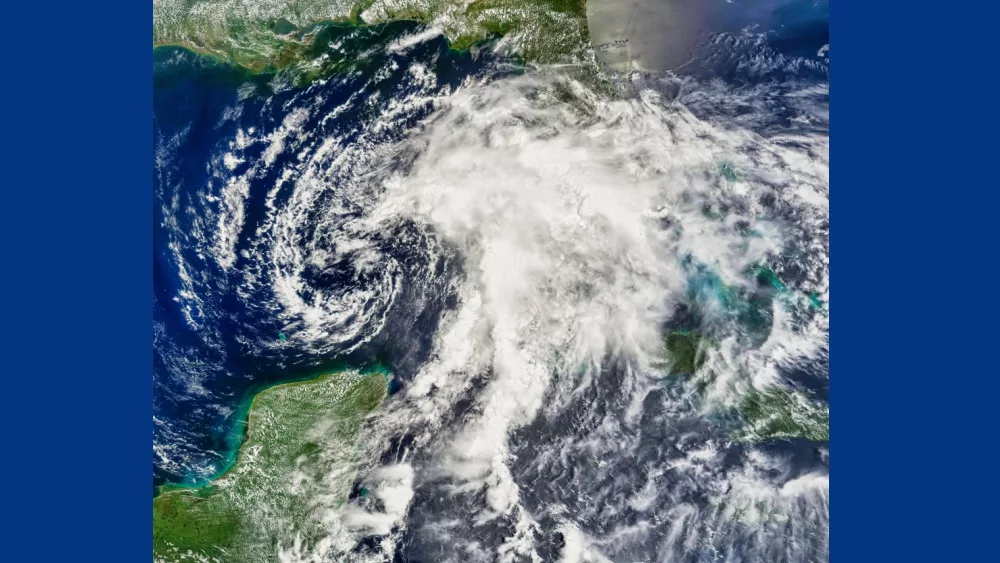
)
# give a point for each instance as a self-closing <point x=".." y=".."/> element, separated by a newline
<point x="217" y="334"/>
<point x="513" y="246"/>
<point x="681" y="35"/>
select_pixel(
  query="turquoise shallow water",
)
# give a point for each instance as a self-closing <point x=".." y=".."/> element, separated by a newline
<point x="212" y="347"/>
<point x="222" y="295"/>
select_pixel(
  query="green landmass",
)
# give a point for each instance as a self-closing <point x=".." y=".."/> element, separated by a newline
<point x="295" y="467"/>
<point x="685" y="352"/>
<point x="780" y="413"/>
<point x="763" y="415"/>
<point x="275" y="34"/>
<point x="772" y="414"/>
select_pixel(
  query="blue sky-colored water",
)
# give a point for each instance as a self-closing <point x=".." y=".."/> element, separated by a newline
<point x="214" y="341"/>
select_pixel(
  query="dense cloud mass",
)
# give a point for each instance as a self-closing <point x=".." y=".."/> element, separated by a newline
<point x="519" y="249"/>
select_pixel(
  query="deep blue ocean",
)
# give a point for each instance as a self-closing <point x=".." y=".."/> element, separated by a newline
<point x="216" y="339"/>
<point x="214" y="346"/>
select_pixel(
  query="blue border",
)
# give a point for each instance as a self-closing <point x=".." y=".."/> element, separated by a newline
<point x="76" y="208"/>
<point x="913" y="245"/>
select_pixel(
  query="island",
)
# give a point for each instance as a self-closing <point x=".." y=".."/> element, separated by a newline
<point x="759" y="415"/>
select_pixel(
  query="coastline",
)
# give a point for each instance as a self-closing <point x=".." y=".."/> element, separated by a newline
<point x="306" y="61"/>
<point x="542" y="31"/>
<point x="243" y="417"/>
<point x="294" y="433"/>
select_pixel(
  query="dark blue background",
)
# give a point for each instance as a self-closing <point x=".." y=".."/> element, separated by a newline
<point x="914" y="234"/>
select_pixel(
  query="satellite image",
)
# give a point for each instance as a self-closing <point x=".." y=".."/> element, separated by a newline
<point x="491" y="281"/>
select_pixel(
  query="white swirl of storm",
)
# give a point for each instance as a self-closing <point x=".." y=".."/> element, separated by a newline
<point x="327" y="278"/>
<point x="573" y="214"/>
